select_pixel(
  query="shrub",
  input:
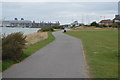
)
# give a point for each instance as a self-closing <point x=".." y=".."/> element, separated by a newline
<point x="116" y="25"/>
<point x="94" y="24"/>
<point x="46" y="29"/>
<point x="12" y="46"/>
<point x="58" y="27"/>
<point x="105" y="26"/>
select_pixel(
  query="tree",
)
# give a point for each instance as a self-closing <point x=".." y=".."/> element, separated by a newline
<point x="46" y="28"/>
<point x="94" y="24"/>
<point x="58" y="27"/>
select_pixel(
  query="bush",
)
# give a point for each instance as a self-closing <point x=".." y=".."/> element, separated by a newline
<point x="94" y="24"/>
<point x="58" y="27"/>
<point x="46" y="29"/>
<point x="116" y="25"/>
<point x="12" y="46"/>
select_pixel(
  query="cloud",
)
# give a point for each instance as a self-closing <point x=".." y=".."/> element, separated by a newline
<point x="65" y="12"/>
<point x="59" y="0"/>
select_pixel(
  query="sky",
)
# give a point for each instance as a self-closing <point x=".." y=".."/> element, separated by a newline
<point x="59" y="0"/>
<point x="64" y="12"/>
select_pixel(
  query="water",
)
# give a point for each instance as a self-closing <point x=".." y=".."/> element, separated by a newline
<point x="9" y="30"/>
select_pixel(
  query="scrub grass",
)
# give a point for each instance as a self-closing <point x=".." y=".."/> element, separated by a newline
<point x="101" y="50"/>
<point x="36" y="37"/>
<point x="29" y="51"/>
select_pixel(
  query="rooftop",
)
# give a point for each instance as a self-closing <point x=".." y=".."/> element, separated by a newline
<point x="104" y="21"/>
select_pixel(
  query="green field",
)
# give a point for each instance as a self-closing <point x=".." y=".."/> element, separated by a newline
<point x="101" y="50"/>
<point x="29" y="51"/>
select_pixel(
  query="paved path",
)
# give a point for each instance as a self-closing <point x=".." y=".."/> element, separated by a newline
<point x="62" y="58"/>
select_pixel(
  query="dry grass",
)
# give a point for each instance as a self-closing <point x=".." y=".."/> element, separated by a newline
<point x="35" y="37"/>
<point x="84" y="28"/>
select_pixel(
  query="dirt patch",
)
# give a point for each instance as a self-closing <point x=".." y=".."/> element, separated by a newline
<point x="35" y="37"/>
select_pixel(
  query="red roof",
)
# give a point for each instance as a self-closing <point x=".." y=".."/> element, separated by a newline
<point x="104" y="21"/>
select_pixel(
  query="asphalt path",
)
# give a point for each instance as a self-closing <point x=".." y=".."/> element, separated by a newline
<point x="63" y="58"/>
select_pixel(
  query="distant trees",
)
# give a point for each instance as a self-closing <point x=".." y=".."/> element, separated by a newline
<point x="115" y="25"/>
<point x="94" y="24"/>
<point x="58" y="27"/>
<point x="46" y="28"/>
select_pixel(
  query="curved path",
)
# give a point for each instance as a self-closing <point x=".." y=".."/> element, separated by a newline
<point x="62" y="58"/>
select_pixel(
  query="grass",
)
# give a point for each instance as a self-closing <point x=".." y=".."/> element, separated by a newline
<point x="101" y="50"/>
<point x="84" y="28"/>
<point x="29" y="51"/>
<point x="35" y="37"/>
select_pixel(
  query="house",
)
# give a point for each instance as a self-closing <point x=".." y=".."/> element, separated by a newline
<point x="106" y="22"/>
<point x="116" y="19"/>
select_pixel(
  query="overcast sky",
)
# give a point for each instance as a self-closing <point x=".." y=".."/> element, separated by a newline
<point x="65" y="12"/>
<point x="60" y="0"/>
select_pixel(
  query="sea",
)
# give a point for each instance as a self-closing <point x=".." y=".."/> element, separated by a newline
<point x="9" y="30"/>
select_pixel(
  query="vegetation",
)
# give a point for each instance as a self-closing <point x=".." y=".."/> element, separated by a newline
<point x="35" y="37"/>
<point x="47" y="28"/>
<point x="12" y="46"/>
<point x="57" y="27"/>
<point x="101" y="50"/>
<point x="86" y="28"/>
<point x="94" y="24"/>
<point x="28" y="51"/>
<point x="115" y="25"/>
<point x="52" y="28"/>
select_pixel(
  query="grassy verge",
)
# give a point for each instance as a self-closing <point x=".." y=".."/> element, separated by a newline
<point x="101" y="50"/>
<point x="29" y="51"/>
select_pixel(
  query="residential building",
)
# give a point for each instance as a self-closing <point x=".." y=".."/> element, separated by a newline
<point x="106" y="22"/>
<point x="117" y="17"/>
<point x="116" y="20"/>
